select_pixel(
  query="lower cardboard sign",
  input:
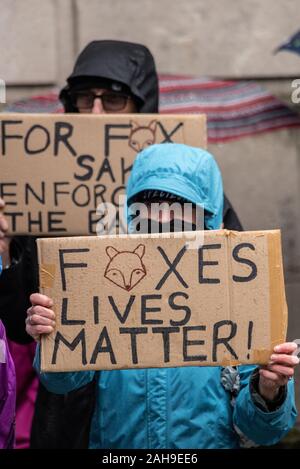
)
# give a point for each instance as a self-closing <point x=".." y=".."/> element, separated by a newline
<point x="163" y="301"/>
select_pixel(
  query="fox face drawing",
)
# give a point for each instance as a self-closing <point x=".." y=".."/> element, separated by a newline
<point x="125" y="268"/>
<point x="142" y="137"/>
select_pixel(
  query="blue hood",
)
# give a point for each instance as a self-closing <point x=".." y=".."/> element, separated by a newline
<point x="191" y="173"/>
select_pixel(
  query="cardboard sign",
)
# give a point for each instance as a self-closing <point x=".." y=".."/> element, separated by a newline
<point x="56" y="169"/>
<point x="149" y="301"/>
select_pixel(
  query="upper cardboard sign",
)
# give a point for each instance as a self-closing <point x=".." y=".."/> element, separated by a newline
<point x="56" y="169"/>
<point x="148" y="301"/>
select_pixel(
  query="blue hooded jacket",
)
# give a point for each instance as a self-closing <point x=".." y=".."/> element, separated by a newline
<point x="185" y="407"/>
<point x="185" y="171"/>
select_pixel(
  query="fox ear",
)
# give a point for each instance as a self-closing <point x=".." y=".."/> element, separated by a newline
<point x="152" y="126"/>
<point x="140" y="250"/>
<point x="111" y="252"/>
<point x="134" y="125"/>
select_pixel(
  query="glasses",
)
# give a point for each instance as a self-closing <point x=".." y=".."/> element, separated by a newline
<point x="111" y="101"/>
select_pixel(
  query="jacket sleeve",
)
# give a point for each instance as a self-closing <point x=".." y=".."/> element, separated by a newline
<point x="62" y="382"/>
<point x="259" y="426"/>
<point x="16" y="285"/>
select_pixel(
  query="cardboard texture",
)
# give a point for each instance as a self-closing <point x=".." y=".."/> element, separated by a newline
<point x="149" y="301"/>
<point x="56" y="169"/>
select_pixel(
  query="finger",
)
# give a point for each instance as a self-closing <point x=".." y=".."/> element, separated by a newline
<point x="36" y="319"/>
<point x="37" y="330"/>
<point x="36" y="337"/>
<point x="38" y="310"/>
<point x="287" y="347"/>
<point x="2" y="203"/>
<point x="283" y="370"/>
<point x="3" y="224"/>
<point x="280" y="380"/>
<point x="3" y="233"/>
<point x="42" y="300"/>
<point x="284" y="359"/>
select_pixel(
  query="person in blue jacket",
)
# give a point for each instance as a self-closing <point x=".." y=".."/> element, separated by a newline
<point x="184" y="407"/>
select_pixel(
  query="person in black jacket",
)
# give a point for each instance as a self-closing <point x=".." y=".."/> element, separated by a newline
<point x="108" y="77"/>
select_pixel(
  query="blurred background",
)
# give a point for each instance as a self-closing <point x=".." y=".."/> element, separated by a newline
<point x="213" y="56"/>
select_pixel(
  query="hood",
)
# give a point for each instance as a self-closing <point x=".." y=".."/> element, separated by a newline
<point x="188" y="172"/>
<point x="128" y="63"/>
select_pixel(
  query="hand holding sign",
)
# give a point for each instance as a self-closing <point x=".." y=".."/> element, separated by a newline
<point x="40" y="318"/>
<point x="278" y="371"/>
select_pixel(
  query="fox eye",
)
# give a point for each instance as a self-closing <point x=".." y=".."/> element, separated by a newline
<point x="149" y="142"/>
<point x="134" y="142"/>
<point x="114" y="273"/>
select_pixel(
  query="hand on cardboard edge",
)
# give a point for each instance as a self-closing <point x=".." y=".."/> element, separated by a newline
<point x="4" y="239"/>
<point x="279" y="370"/>
<point x="40" y="317"/>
